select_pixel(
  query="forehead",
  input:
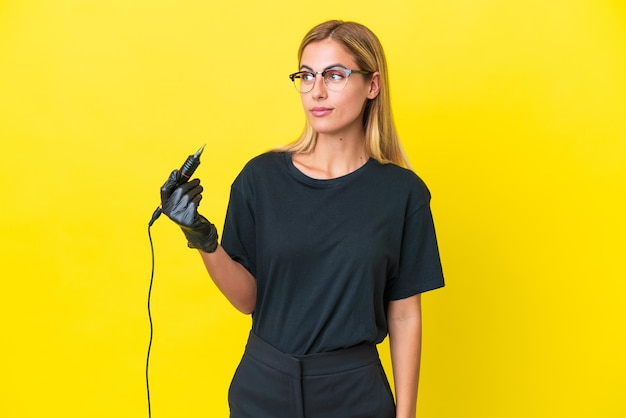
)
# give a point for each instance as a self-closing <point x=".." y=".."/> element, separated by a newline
<point x="323" y="54"/>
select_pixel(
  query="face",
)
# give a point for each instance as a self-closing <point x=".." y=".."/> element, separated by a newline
<point x="336" y="113"/>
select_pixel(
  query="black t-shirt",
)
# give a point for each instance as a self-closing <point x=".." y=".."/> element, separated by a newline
<point x="328" y="255"/>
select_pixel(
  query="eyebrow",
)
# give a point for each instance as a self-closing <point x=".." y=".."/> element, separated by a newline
<point x="306" y="67"/>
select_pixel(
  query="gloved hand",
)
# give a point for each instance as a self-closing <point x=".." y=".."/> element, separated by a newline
<point x="180" y="204"/>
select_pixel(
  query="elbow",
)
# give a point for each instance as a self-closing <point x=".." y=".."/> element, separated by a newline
<point x="247" y="305"/>
<point x="246" y="310"/>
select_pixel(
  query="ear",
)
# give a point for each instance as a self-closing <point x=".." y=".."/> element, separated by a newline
<point x="374" y="86"/>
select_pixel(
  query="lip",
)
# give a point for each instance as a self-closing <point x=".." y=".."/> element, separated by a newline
<point x="320" y="111"/>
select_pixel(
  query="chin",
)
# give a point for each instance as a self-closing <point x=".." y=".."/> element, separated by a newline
<point x="324" y="128"/>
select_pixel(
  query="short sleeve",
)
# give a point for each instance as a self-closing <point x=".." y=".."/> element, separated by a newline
<point x="239" y="236"/>
<point x="419" y="264"/>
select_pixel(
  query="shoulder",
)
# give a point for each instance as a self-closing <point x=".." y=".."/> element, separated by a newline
<point x="265" y="160"/>
<point x="400" y="180"/>
<point x="398" y="186"/>
<point x="261" y="167"/>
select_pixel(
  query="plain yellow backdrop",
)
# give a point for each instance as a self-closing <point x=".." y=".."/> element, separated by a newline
<point x="512" y="112"/>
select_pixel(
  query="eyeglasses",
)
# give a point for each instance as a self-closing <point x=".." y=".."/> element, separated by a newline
<point x="335" y="78"/>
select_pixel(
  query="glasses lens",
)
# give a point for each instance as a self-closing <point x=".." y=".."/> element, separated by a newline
<point x="336" y="79"/>
<point x="303" y="81"/>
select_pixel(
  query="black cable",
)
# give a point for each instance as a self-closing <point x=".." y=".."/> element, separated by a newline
<point x="150" y="319"/>
<point x="186" y="171"/>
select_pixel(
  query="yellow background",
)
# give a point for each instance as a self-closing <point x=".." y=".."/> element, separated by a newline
<point x="512" y="112"/>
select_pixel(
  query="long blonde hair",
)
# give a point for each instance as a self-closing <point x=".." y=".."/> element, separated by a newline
<point x="381" y="139"/>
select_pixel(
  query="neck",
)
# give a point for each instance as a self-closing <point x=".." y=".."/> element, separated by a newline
<point x="332" y="157"/>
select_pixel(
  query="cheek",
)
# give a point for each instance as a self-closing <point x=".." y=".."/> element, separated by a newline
<point x="351" y="107"/>
<point x="307" y="102"/>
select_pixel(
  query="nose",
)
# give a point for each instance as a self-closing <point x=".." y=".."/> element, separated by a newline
<point x="319" y="87"/>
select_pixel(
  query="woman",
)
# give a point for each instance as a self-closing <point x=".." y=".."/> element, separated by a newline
<point x="328" y="243"/>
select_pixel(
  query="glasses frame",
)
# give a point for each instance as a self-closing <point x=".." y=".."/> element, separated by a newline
<point x="323" y="73"/>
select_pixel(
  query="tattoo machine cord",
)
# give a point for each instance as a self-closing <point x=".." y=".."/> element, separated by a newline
<point x="186" y="171"/>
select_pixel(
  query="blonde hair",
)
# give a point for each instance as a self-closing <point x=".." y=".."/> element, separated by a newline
<point x="381" y="139"/>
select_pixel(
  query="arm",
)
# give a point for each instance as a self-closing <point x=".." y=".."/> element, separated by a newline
<point x="232" y="279"/>
<point x="179" y="201"/>
<point x="404" y="320"/>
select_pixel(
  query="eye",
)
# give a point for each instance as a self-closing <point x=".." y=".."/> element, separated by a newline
<point x="306" y="76"/>
<point x="334" y="76"/>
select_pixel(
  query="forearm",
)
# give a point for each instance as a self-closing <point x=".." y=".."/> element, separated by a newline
<point x="405" y="340"/>
<point x="232" y="279"/>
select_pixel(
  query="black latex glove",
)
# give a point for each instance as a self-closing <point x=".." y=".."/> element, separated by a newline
<point x="180" y="204"/>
